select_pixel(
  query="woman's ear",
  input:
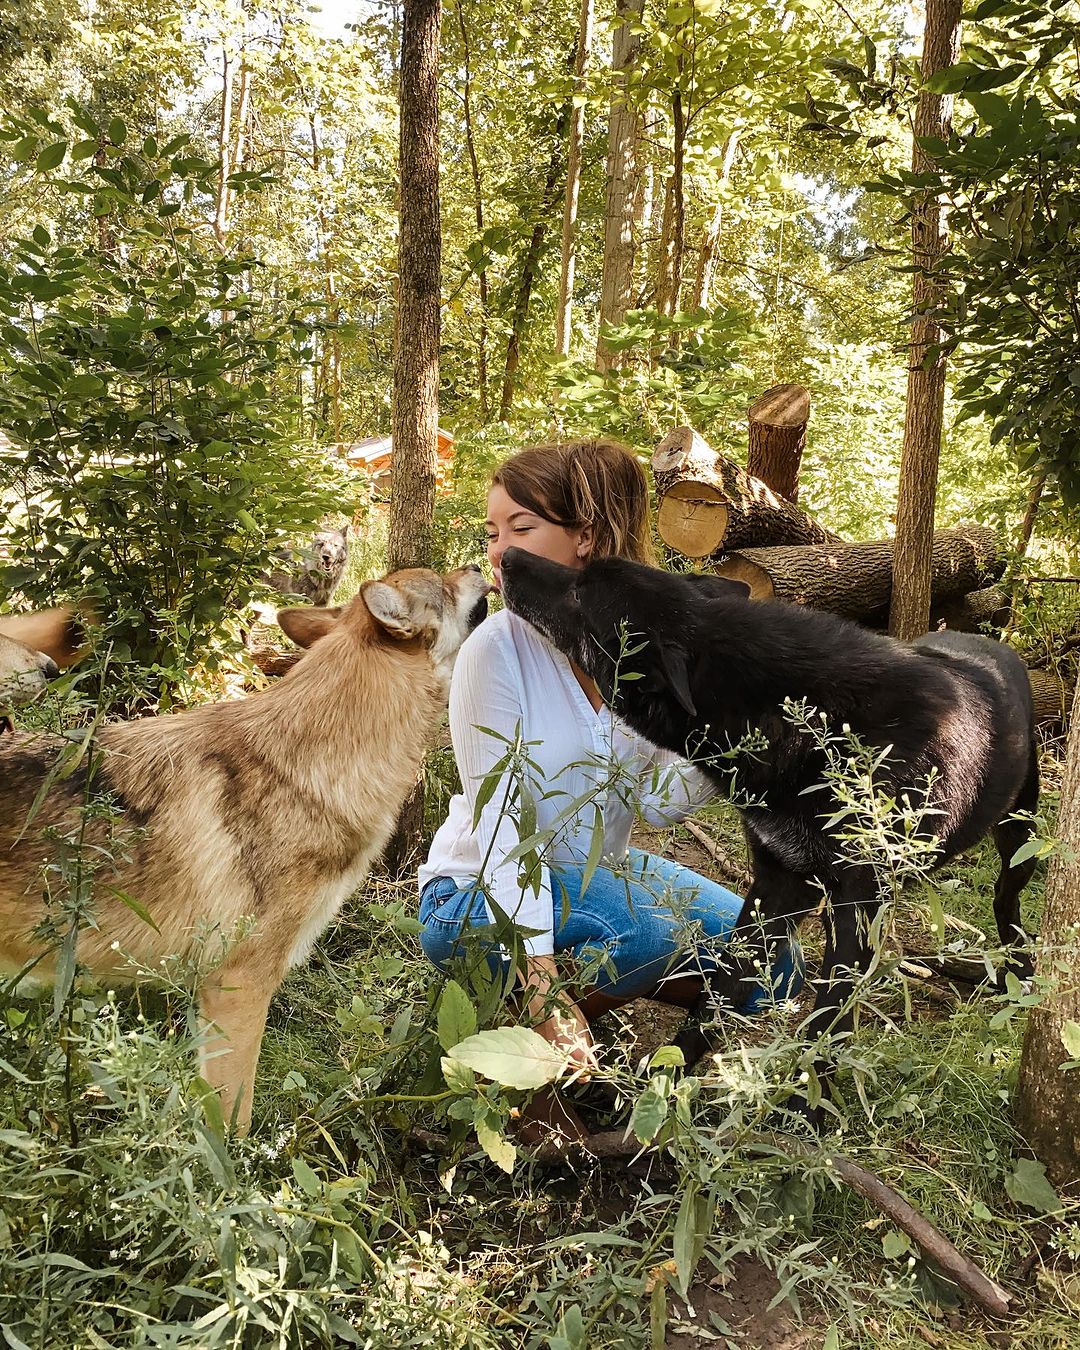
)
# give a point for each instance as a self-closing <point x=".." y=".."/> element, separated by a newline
<point x="585" y="543"/>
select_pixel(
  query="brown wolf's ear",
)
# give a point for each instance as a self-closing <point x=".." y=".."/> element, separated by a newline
<point x="306" y="624"/>
<point x="390" y="609"/>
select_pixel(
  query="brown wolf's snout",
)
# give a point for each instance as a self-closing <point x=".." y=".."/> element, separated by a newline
<point x="256" y="817"/>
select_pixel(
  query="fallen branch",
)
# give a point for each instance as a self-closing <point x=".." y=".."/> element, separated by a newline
<point x="730" y="866"/>
<point x="965" y="1274"/>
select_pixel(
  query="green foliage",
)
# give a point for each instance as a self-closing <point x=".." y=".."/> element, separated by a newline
<point x="154" y="461"/>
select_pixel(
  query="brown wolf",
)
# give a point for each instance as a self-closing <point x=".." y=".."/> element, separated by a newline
<point x="33" y="650"/>
<point x="254" y="818"/>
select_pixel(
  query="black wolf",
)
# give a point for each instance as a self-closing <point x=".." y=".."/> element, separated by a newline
<point x="711" y="665"/>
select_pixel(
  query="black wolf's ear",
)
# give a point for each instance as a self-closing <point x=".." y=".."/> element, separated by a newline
<point x="306" y="624"/>
<point x="673" y="664"/>
<point x="718" y="588"/>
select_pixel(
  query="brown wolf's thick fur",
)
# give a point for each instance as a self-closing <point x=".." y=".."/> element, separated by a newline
<point x="258" y="816"/>
<point x="33" y="648"/>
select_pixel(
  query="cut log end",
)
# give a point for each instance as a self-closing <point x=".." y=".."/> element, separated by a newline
<point x="692" y="519"/>
<point x="737" y="568"/>
<point x="784" y="405"/>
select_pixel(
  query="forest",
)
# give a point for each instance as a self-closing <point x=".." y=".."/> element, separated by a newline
<point x="272" y="269"/>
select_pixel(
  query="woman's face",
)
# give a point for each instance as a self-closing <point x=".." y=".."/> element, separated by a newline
<point x="511" y="525"/>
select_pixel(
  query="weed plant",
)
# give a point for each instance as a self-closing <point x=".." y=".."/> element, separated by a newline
<point x="128" y="1218"/>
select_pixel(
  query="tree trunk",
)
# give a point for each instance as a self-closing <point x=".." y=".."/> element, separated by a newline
<point x="1047" y="1096"/>
<point x="778" y="436"/>
<point x="221" y="204"/>
<point x="855" y="580"/>
<point x="618" y="276"/>
<point x="332" y="381"/>
<point x="573" y="183"/>
<point x="669" y="270"/>
<point x="478" y="197"/>
<point x="708" y="504"/>
<point x="1027" y="525"/>
<point x="530" y="270"/>
<point x="910" y="608"/>
<point x="415" y="411"/>
<point x="711" y="239"/>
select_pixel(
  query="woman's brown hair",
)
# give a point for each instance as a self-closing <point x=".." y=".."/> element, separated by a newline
<point x="575" y="483"/>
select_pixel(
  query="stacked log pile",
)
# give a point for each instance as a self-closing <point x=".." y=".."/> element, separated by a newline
<point x="746" y="524"/>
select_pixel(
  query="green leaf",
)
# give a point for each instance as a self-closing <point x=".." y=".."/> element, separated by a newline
<point x="515" y="1057"/>
<point x="84" y="149"/>
<point x="650" y="1112"/>
<point x="51" y="156"/>
<point x="117" y="131"/>
<point x="25" y="149"/>
<point x="84" y="386"/>
<point x="456" y="1016"/>
<point x="658" y="1316"/>
<point x="1032" y="849"/>
<point x="136" y="906"/>
<point x="690" y="1235"/>
<point x="895" y="1244"/>
<point x="1028" y="1186"/>
<point x="667" y="1057"/>
<point x="458" y="1077"/>
<point x="307" y="1177"/>
<point x="1070" y="1039"/>
<point x="832" y="1338"/>
<point x="498" y="1148"/>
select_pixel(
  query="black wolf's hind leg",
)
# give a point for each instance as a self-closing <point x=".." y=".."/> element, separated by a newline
<point x="1009" y="835"/>
<point x="784" y="900"/>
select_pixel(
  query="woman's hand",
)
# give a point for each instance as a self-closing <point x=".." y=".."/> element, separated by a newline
<point x="557" y="1018"/>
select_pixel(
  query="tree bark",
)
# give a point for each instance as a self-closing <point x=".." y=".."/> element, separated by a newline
<point x="778" y="437"/>
<point x="910" y="607"/>
<point x="1048" y="1097"/>
<point x="530" y="270"/>
<point x="618" y="276"/>
<point x="711" y="239"/>
<point x="855" y="580"/>
<point x="221" y="204"/>
<point x="708" y="504"/>
<point x="1027" y="525"/>
<point x="974" y="612"/>
<point x="1051" y="696"/>
<point x="669" y="271"/>
<point x="478" y="198"/>
<point x="415" y="411"/>
<point x="573" y="183"/>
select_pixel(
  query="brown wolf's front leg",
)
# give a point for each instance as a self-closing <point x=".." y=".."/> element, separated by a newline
<point x="233" y="1003"/>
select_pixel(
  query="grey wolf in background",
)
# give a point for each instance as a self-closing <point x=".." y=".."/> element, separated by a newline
<point x="257" y="817"/>
<point x="710" y="664"/>
<point x="315" y="570"/>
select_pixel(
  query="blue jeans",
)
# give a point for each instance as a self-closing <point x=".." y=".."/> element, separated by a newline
<point x="632" y="929"/>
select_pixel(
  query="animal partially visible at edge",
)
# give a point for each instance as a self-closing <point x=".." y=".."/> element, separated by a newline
<point x="314" y="570"/>
<point x="708" y="664"/>
<point x="258" y="816"/>
<point x="34" y="648"/>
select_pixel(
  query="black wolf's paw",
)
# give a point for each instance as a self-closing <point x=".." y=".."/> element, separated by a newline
<point x="1020" y="963"/>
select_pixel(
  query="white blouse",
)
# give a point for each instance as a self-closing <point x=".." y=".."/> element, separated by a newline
<point x="508" y="677"/>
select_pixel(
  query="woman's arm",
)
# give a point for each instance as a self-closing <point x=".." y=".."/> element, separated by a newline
<point x="672" y="789"/>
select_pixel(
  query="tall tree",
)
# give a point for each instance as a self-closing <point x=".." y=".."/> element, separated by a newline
<point x="573" y="182"/>
<point x="909" y="613"/>
<point x="622" y="169"/>
<point x="415" y="411"/>
<point x="1048" y="1095"/>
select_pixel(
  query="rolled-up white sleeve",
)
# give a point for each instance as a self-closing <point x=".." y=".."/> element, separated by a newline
<point x="485" y="692"/>
<point x="672" y="788"/>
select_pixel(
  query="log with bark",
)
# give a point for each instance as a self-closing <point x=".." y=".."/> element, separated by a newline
<point x="709" y="504"/>
<point x="778" y="437"/>
<point x="1051" y="696"/>
<point x="975" y="612"/>
<point x="855" y="580"/>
